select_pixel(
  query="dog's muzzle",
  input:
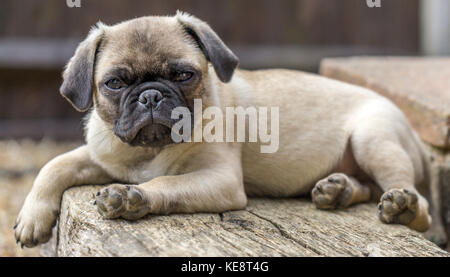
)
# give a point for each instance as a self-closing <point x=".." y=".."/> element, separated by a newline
<point x="145" y="114"/>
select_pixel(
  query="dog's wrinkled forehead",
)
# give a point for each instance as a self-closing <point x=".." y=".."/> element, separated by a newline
<point x="146" y="44"/>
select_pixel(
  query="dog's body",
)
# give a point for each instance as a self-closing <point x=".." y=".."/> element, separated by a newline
<point x="333" y="137"/>
<point x="307" y="152"/>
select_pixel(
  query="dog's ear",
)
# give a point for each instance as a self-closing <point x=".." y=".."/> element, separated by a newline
<point x="78" y="77"/>
<point x="223" y="60"/>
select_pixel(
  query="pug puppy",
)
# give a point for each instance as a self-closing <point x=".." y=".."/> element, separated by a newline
<point x="340" y="143"/>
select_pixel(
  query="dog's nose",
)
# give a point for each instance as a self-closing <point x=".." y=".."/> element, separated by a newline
<point x="150" y="97"/>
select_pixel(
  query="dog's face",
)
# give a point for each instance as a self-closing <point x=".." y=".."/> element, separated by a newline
<point x="135" y="73"/>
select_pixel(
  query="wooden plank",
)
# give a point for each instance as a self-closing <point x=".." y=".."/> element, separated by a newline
<point x="283" y="227"/>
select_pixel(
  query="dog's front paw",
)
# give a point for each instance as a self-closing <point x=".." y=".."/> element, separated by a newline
<point x="398" y="206"/>
<point x="35" y="222"/>
<point x="333" y="192"/>
<point x="121" y="201"/>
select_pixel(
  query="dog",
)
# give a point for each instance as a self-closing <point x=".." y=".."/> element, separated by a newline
<point x="340" y="143"/>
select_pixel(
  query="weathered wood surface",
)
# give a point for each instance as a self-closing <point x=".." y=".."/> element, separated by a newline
<point x="268" y="227"/>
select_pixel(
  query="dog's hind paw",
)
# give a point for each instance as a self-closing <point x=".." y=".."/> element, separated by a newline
<point x="398" y="206"/>
<point x="333" y="192"/>
<point x="124" y="201"/>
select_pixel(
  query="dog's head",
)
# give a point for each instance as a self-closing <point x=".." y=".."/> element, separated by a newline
<point x="136" y="72"/>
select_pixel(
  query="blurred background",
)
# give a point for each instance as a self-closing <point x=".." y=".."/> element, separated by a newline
<point x="37" y="37"/>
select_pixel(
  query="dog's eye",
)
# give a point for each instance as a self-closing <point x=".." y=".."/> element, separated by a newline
<point x="182" y="76"/>
<point x="115" y="84"/>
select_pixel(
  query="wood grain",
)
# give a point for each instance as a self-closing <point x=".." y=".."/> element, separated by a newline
<point x="268" y="227"/>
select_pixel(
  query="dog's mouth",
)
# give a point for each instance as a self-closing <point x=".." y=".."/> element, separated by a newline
<point x="153" y="135"/>
<point x="147" y="132"/>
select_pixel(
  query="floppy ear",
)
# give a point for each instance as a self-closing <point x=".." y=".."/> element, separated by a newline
<point x="78" y="77"/>
<point x="223" y="60"/>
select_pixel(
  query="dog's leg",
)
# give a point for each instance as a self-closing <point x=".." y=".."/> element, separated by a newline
<point x="200" y="191"/>
<point x="339" y="191"/>
<point x="214" y="183"/>
<point x="42" y="205"/>
<point x="384" y="159"/>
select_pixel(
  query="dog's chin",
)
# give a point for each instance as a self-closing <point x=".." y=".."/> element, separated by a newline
<point x="154" y="135"/>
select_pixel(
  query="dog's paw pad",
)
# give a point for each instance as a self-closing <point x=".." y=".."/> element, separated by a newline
<point x="398" y="206"/>
<point x="121" y="201"/>
<point x="110" y="201"/>
<point x="333" y="192"/>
